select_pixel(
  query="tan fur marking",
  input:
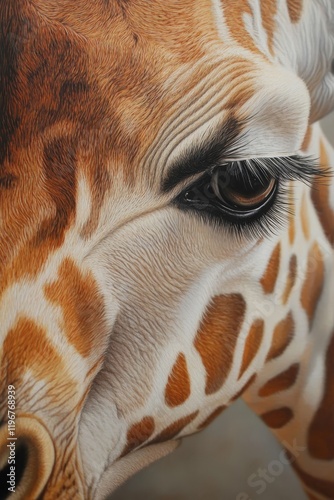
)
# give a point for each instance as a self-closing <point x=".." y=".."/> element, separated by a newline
<point x="275" y="419"/>
<point x="313" y="283"/>
<point x="174" y="429"/>
<point x="290" y="279"/>
<point x="82" y="306"/>
<point x="282" y="337"/>
<point x="138" y="434"/>
<point x="281" y="382"/>
<point x="252" y="345"/>
<point x="269" y="278"/>
<point x="295" y="8"/>
<point x="212" y="417"/>
<point x="321" y="431"/>
<point x="217" y="336"/>
<point x="32" y="351"/>
<point x="320" y="198"/>
<point x="234" y="13"/>
<point x="178" y="385"/>
<point x="268" y="12"/>
<point x="244" y="387"/>
<point x="305" y="218"/>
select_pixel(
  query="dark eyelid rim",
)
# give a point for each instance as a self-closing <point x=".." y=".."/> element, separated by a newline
<point x="295" y="167"/>
<point x="201" y="157"/>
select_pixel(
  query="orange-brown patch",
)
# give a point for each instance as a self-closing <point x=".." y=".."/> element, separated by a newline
<point x="138" y="434"/>
<point x="304" y="216"/>
<point x="269" y="278"/>
<point x="252" y="344"/>
<point x="275" y="419"/>
<point x="217" y="337"/>
<point x="281" y="382"/>
<point x="244" y="388"/>
<point x="290" y="279"/>
<point x="321" y="197"/>
<point x="26" y="347"/>
<point x="313" y="284"/>
<point x="234" y="13"/>
<point x="178" y="386"/>
<point x="307" y="139"/>
<point x="82" y="306"/>
<point x="211" y="417"/>
<point x="174" y="429"/>
<point x="282" y="337"/>
<point x="295" y="8"/>
<point x="321" y="431"/>
<point x="268" y="12"/>
<point x="321" y="486"/>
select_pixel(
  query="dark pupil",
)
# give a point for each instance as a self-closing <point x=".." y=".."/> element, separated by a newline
<point x="246" y="185"/>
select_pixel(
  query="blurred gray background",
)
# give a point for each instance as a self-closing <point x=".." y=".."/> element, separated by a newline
<point x="216" y="464"/>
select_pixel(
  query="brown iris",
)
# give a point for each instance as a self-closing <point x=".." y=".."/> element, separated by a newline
<point x="242" y="190"/>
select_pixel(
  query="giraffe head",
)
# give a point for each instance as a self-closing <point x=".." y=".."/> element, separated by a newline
<point x="131" y="244"/>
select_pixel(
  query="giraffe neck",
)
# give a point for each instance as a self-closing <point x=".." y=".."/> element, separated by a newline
<point x="293" y="358"/>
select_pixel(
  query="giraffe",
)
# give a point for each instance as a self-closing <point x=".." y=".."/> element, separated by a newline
<point x="166" y="234"/>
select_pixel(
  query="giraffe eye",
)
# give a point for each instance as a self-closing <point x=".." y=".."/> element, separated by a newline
<point x="233" y="193"/>
<point x="242" y="191"/>
<point x="248" y="197"/>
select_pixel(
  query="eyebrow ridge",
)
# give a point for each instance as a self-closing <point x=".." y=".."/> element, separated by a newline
<point x="202" y="157"/>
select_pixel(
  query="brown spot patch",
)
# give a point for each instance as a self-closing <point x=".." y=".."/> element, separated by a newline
<point x="174" y="429"/>
<point x="82" y="306"/>
<point x="295" y="9"/>
<point x="268" y="12"/>
<point x="234" y="13"/>
<point x="211" y="417"/>
<point x="320" y="197"/>
<point x="305" y="218"/>
<point x="26" y="347"/>
<point x="269" y="278"/>
<point x="138" y="434"/>
<point x="252" y="345"/>
<point x="178" y="386"/>
<point x="275" y="419"/>
<point x="282" y="337"/>
<point x="217" y="337"/>
<point x="281" y="382"/>
<point x="290" y="279"/>
<point x="313" y="283"/>
<point x="244" y="387"/>
<point x="321" y="431"/>
<point x="321" y="486"/>
<point x="60" y="183"/>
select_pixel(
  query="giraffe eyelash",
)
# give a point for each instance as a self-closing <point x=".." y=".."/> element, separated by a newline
<point x="283" y="168"/>
<point x="267" y="219"/>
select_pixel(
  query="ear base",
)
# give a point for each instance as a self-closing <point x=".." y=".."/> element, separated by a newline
<point x="312" y="56"/>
